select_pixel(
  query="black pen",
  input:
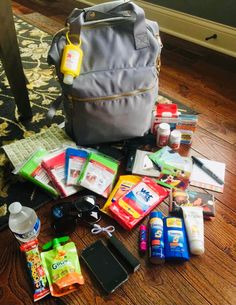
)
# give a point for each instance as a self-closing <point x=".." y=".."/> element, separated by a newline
<point x="207" y="170"/>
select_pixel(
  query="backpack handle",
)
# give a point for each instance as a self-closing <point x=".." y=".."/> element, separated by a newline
<point x="112" y="11"/>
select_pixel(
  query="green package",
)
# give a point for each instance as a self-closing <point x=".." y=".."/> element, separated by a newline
<point x="33" y="171"/>
<point x="62" y="267"/>
<point x="99" y="173"/>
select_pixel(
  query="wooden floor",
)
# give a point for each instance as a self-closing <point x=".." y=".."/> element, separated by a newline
<point x="205" y="81"/>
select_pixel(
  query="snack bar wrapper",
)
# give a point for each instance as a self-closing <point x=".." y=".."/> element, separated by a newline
<point x="35" y="269"/>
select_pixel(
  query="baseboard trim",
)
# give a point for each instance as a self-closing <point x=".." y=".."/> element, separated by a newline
<point x="187" y="27"/>
<point x="193" y="29"/>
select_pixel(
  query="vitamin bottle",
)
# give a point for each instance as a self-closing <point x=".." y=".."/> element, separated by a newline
<point x="163" y="134"/>
<point x="23" y="222"/>
<point x="175" y="139"/>
<point x="71" y="61"/>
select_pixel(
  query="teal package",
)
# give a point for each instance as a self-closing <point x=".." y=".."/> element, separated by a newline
<point x="175" y="239"/>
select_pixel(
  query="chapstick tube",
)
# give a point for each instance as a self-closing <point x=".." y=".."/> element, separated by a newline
<point x="143" y="239"/>
<point x="193" y="219"/>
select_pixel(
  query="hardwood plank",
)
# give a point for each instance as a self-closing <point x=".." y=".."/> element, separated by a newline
<point x="226" y="197"/>
<point x="203" y="80"/>
<point x="214" y="148"/>
<point x="202" y="272"/>
<point x="220" y="127"/>
<point x="158" y="279"/>
<point x="42" y="22"/>
<point x="197" y="74"/>
<point x="221" y="230"/>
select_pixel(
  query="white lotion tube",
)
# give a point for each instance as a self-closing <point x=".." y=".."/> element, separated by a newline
<point x="193" y="219"/>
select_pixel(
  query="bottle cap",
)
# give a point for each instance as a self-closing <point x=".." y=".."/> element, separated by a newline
<point x="157" y="214"/>
<point x="196" y="247"/>
<point x="56" y="242"/>
<point x="68" y="79"/>
<point x="15" y="208"/>
<point x="175" y="134"/>
<point x="142" y="227"/>
<point x="164" y="126"/>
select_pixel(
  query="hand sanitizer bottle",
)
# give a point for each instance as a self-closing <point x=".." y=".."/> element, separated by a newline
<point x="71" y="61"/>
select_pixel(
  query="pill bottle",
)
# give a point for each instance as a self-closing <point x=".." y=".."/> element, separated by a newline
<point x="163" y="134"/>
<point x="175" y="139"/>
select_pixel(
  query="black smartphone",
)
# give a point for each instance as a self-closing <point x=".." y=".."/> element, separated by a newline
<point x="104" y="266"/>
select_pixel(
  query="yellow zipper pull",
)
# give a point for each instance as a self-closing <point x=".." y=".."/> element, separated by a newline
<point x="71" y="60"/>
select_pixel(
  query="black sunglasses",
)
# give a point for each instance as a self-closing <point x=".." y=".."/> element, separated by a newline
<point x="66" y="215"/>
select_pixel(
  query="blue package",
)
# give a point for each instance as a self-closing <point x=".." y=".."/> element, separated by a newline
<point x="156" y="238"/>
<point x="75" y="160"/>
<point x="175" y="239"/>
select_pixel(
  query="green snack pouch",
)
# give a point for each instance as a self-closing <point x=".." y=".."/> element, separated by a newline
<point x="62" y="266"/>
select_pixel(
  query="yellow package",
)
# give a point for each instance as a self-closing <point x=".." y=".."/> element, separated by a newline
<point x="123" y="185"/>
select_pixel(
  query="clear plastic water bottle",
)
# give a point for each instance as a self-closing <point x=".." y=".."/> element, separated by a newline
<point x="23" y="222"/>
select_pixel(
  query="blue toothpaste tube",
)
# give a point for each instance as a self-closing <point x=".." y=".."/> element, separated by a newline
<point x="175" y="238"/>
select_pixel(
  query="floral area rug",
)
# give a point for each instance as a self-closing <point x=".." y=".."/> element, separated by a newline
<point x="43" y="90"/>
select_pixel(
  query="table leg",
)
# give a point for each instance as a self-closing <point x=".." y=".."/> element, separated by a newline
<point x="10" y="57"/>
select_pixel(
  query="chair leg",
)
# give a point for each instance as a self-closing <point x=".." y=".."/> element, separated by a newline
<point x="10" y="56"/>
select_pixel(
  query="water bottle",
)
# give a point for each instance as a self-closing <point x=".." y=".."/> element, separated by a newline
<point x="23" y="222"/>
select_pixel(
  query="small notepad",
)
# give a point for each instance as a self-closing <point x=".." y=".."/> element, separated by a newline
<point x="201" y="179"/>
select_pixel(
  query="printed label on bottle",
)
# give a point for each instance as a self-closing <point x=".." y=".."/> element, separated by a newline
<point x="175" y="145"/>
<point x="72" y="59"/>
<point x="163" y="140"/>
<point x="174" y="222"/>
<point x="175" y="240"/>
<point x="33" y="232"/>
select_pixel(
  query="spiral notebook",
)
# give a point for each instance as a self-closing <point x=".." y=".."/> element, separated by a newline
<point x="201" y="179"/>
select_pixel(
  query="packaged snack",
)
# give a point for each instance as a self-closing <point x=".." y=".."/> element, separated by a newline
<point x="123" y="185"/>
<point x="180" y="198"/>
<point x="75" y="160"/>
<point x="136" y="203"/>
<point x="99" y="174"/>
<point x="62" y="266"/>
<point x="35" y="268"/>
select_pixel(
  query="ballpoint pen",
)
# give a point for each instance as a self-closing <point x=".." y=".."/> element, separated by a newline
<point x="206" y="170"/>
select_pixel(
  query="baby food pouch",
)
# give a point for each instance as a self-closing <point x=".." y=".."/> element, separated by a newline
<point x="62" y="267"/>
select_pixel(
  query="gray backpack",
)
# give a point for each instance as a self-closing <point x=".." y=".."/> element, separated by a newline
<point x="113" y="97"/>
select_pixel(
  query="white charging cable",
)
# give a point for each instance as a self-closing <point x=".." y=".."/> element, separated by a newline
<point x="98" y="229"/>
